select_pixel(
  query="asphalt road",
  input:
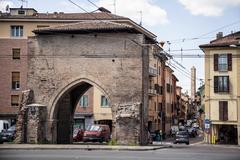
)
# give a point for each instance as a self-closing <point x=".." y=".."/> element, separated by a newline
<point x="178" y="152"/>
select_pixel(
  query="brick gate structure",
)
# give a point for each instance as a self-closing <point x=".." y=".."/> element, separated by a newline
<point x="65" y="61"/>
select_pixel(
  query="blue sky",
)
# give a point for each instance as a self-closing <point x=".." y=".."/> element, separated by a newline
<point x="170" y="20"/>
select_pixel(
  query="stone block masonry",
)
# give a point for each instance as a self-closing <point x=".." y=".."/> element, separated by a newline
<point x="63" y="66"/>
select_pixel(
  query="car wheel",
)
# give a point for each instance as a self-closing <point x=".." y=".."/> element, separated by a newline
<point x="187" y="143"/>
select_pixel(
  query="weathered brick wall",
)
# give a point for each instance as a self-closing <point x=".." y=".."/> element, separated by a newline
<point x="111" y="61"/>
<point x="36" y="123"/>
<point x="26" y="98"/>
<point x="127" y="123"/>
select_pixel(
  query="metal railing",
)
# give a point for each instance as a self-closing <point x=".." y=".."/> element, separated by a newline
<point x="152" y="71"/>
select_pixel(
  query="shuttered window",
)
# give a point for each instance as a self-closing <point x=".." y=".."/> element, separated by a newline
<point x="84" y="101"/>
<point x="15" y="80"/>
<point x="222" y="62"/>
<point x="16" y="31"/>
<point x="14" y="100"/>
<point x="215" y="62"/>
<point x="221" y="84"/>
<point x="16" y="53"/>
<point x="229" y="62"/>
<point x="168" y="87"/>
<point x="104" y="101"/>
<point x="223" y="110"/>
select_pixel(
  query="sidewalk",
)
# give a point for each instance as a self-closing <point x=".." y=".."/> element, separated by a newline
<point x="221" y="145"/>
<point x="77" y="147"/>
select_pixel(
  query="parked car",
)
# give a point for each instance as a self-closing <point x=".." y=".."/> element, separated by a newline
<point x="9" y="134"/>
<point x="182" y="128"/>
<point x="174" y="130"/>
<point x="97" y="133"/>
<point x="1" y="140"/>
<point x="181" y="137"/>
<point x="192" y="132"/>
<point x="78" y="134"/>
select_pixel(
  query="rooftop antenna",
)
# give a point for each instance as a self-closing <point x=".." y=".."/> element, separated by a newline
<point x="140" y="18"/>
<point x="7" y="8"/>
<point x="26" y="2"/>
<point x="169" y="44"/>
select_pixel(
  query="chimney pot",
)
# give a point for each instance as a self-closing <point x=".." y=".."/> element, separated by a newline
<point x="219" y="35"/>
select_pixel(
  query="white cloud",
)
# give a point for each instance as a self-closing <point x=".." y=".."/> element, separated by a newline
<point x="209" y="7"/>
<point x="152" y="15"/>
<point x="3" y="5"/>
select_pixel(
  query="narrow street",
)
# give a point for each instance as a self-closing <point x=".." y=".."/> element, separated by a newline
<point x="182" y="152"/>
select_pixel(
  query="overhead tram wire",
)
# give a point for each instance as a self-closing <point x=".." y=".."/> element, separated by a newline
<point x="220" y="28"/>
<point x="202" y="35"/>
<point x="93" y="3"/>
<point x="187" y="76"/>
<point x="82" y="8"/>
<point x="184" y="72"/>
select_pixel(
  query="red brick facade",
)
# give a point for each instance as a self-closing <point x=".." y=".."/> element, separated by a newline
<point x="9" y="65"/>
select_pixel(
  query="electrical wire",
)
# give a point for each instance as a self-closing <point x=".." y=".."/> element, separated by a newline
<point x="202" y="35"/>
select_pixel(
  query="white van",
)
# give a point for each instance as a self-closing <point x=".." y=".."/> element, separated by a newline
<point x="4" y="125"/>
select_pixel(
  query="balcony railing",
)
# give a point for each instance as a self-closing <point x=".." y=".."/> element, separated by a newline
<point x="152" y="72"/>
<point x="152" y="92"/>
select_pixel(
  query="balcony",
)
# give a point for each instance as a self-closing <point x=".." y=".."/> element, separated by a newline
<point x="152" y="72"/>
<point x="152" y="92"/>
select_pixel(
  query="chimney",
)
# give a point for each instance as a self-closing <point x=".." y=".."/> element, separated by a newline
<point x="162" y="43"/>
<point x="219" y="35"/>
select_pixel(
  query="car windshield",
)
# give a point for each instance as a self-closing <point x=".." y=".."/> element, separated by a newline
<point x="75" y="132"/>
<point x="11" y="129"/>
<point x="94" y="128"/>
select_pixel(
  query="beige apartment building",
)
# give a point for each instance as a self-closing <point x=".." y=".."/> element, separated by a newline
<point x="222" y="89"/>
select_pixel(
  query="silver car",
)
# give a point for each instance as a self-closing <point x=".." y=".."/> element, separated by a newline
<point x="182" y="137"/>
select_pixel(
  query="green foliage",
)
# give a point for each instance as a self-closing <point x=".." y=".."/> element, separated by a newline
<point x="200" y="110"/>
<point x="113" y="142"/>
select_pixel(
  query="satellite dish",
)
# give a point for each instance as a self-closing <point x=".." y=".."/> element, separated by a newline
<point x="7" y="8"/>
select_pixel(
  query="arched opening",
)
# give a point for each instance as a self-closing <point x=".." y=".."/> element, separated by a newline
<point x="64" y="111"/>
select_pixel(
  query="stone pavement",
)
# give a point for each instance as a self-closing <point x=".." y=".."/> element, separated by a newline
<point x="78" y="147"/>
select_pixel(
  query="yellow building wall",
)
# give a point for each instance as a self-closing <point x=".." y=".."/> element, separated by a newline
<point x="212" y="99"/>
<point x="207" y="85"/>
<point x="28" y="27"/>
<point x="232" y="110"/>
<point x="99" y="112"/>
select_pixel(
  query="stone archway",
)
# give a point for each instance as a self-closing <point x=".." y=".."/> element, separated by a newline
<point x="63" y="108"/>
<point x="61" y="65"/>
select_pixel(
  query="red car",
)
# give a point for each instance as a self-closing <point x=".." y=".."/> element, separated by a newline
<point x="78" y="135"/>
<point x="97" y="133"/>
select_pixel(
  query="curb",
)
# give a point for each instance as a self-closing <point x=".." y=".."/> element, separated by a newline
<point x="88" y="148"/>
